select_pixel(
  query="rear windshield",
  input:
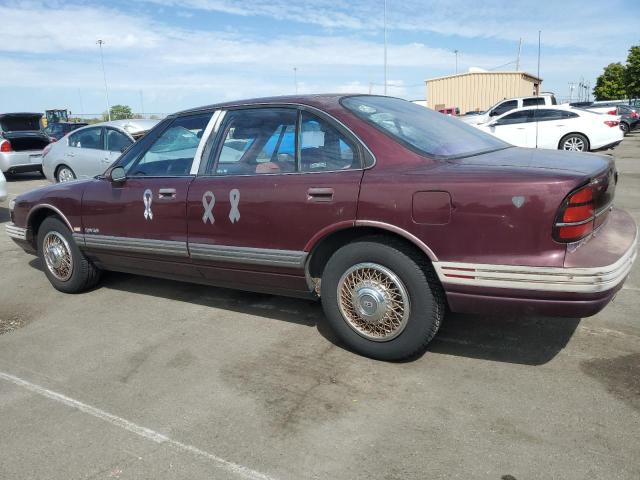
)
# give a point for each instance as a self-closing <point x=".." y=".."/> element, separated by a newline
<point x="422" y="129"/>
<point x="19" y="123"/>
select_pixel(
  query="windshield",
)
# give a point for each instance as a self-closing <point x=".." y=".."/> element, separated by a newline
<point x="422" y="129"/>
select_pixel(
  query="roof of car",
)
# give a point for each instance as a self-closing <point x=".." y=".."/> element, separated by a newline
<point x="131" y="126"/>
<point x="315" y="100"/>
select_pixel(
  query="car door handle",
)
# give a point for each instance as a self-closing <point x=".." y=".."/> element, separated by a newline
<point x="167" y="193"/>
<point x="315" y="194"/>
<point x="69" y="154"/>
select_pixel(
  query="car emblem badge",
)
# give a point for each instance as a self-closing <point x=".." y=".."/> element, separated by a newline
<point x="234" y="199"/>
<point x="208" y="201"/>
<point x="147" y="197"/>
<point x="518" y="201"/>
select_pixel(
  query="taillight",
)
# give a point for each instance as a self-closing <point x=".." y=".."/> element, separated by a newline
<point x="612" y="112"/>
<point x="5" y="146"/>
<point x="612" y="123"/>
<point x="634" y="114"/>
<point x="576" y="216"/>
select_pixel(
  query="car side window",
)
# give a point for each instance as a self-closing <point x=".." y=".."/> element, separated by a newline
<point x="567" y="114"/>
<point x="532" y="102"/>
<point x="258" y="141"/>
<point x="117" y="141"/>
<point x="515" y="117"/>
<point x="504" y="107"/>
<point x="323" y="147"/>
<point x="547" y="115"/>
<point x="172" y="152"/>
<point x="88" y="138"/>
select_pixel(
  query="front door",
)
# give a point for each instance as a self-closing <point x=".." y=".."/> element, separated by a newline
<point x="145" y="215"/>
<point x="515" y="128"/>
<point x="276" y="178"/>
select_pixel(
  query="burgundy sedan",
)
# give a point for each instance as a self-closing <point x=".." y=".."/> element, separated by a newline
<point x="388" y="211"/>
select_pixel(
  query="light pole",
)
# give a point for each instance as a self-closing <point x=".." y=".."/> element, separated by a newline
<point x="456" y="52"/>
<point x="385" y="46"/>
<point x="104" y="76"/>
<point x="295" y="78"/>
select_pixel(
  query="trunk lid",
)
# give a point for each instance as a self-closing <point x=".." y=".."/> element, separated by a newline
<point x="20" y="122"/>
<point x="23" y="131"/>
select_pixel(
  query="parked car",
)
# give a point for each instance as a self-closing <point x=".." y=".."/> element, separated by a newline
<point x="88" y="151"/>
<point x="388" y="211"/>
<point x="628" y="115"/>
<point x="3" y="188"/>
<point x="556" y="128"/>
<point x="452" y="111"/>
<point x="508" y="104"/>
<point x="21" y="142"/>
<point x="60" y="129"/>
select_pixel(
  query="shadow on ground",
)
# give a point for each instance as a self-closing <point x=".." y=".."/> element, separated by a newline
<point x="510" y="339"/>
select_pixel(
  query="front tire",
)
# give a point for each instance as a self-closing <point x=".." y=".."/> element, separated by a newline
<point x="382" y="299"/>
<point x="574" y="142"/>
<point x="64" y="264"/>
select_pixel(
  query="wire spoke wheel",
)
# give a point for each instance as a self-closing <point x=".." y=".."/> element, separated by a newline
<point x="57" y="255"/>
<point x="373" y="301"/>
<point x="574" y="144"/>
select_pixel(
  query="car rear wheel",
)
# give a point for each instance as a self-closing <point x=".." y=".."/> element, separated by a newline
<point x="65" y="174"/>
<point x="382" y="299"/>
<point x="624" y="127"/>
<point x="574" y="142"/>
<point x="64" y="264"/>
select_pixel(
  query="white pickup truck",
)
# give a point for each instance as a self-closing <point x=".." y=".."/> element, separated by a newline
<point x="503" y="106"/>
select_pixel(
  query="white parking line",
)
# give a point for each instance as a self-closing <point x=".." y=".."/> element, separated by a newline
<point x="147" y="433"/>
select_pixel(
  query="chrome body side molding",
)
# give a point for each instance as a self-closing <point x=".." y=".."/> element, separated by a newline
<point x="127" y="244"/>
<point x="247" y="255"/>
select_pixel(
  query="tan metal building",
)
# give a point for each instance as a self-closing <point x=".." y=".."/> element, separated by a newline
<point x="479" y="90"/>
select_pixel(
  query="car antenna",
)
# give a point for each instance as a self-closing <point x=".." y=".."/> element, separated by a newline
<point x="538" y="92"/>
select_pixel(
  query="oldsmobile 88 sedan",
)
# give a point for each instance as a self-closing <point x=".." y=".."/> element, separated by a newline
<point x="387" y="211"/>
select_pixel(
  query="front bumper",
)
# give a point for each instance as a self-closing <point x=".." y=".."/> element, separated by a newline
<point x="22" y="237"/>
<point x="592" y="274"/>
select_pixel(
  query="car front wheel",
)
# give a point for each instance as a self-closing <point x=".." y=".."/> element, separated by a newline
<point x="382" y="299"/>
<point x="574" y="142"/>
<point x="64" y="264"/>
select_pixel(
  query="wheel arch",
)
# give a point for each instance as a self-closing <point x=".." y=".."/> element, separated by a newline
<point x="322" y="249"/>
<point x="575" y="133"/>
<point x="38" y="214"/>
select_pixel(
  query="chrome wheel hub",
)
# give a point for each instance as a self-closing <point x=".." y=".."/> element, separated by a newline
<point x="373" y="301"/>
<point x="57" y="256"/>
<point x="65" y="175"/>
<point x="574" y="144"/>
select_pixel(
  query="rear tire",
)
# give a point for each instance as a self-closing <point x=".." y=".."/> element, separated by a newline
<point x="574" y="142"/>
<point x="64" y="264"/>
<point x="382" y="299"/>
<point x="65" y="174"/>
<point x="624" y="126"/>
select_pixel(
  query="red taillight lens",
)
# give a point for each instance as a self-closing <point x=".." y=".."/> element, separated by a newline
<point x="612" y="112"/>
<point x="612" y="123"/>
<point x="634" y="114"/>
<point x="576" y="216"/>
<point x="5" y="146"/>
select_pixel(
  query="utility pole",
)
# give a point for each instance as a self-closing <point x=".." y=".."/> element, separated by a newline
<point x="518" y="59"/>
<point x="456" y="52"/>
<point x="104" y="76"/>
<point x="385" y="46"/>
<point x="295" y="78"/>
<point x="572" y="85"/>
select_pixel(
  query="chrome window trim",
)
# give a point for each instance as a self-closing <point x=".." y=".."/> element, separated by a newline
<point x="556" y="279"/>
<point x="210" y="129"/>
<point x="248" y="255"/>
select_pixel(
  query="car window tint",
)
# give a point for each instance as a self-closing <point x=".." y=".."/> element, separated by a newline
<point x="171" y="153"/>
<point x="88" y="138"/>
<point x="567" y="114"/>
<point x="117" y="141"/>
<point x="258" y="141"/>
<point x="323" y="147"/>
<point x="531" y="102"/>
<point x="504" y="107"/>
<point x="546" y="115"/>
<point x="515" y="117"/>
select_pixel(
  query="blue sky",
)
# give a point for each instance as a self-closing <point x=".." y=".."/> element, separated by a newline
<point x="184" y="53"/>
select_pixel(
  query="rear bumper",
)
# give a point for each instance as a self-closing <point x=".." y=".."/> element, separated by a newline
<point x="25" y="161"/>
<point x="592" y="274"/>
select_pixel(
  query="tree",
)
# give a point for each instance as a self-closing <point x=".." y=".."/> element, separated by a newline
<point x="632" y="72"/>
<point x="610" y="85"/>
<point x="119" y="112"/>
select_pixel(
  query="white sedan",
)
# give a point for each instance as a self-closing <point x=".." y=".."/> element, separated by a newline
<point x="556" y="128"/>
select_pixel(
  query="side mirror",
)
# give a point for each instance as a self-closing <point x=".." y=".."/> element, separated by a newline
<point x="117" y="175"/>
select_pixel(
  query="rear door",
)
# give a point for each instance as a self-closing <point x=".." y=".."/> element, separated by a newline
<point x="85" y="152"/>
<point x="275" y="179"/>
<point x="552" y="125"/>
